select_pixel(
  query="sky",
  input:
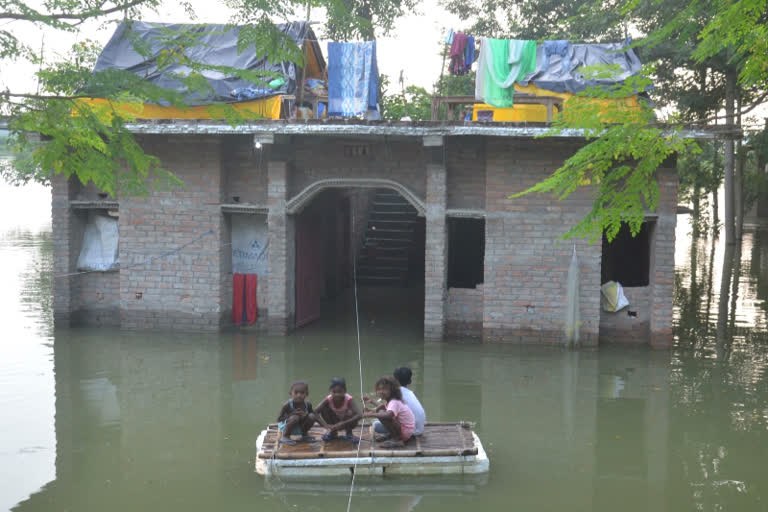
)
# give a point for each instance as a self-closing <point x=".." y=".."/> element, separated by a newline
<point x="413" y="46"/>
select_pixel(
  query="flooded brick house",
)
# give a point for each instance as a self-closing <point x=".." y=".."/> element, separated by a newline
<point x="493" y="267"/>
<point x="278" y="217"/>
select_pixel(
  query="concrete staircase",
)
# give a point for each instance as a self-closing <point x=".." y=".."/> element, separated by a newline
<point x="384" y="256"/>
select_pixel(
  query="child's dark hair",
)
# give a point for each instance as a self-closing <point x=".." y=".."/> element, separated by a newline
<point x="338" y="381"/>
<point x="298" y="383"/>
<point x="403" y="375"/>
<point x="392" y="384"/>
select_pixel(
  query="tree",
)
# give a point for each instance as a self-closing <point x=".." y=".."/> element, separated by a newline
<point x="92" y="142"/>
<point x="411" y="101"/>
<point x="361" y="19"/>
<point x="540" y="19"/>
<point x="701" y="65"/>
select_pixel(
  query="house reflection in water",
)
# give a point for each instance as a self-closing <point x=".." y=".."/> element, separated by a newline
<point x="150" y="423"/>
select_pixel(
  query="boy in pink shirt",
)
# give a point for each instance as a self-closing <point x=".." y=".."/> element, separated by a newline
<point x="396" y="416"/>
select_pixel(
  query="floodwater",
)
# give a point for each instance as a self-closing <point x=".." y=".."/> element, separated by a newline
<point x="104" y="420"/>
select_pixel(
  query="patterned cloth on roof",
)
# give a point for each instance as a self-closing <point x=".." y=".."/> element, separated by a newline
<point x="353" y="78"/>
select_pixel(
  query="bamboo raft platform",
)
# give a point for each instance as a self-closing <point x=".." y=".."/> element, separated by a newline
<point x="443" y="448"/>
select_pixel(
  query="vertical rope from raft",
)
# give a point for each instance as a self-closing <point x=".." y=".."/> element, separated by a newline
<point x="359" y="358"/>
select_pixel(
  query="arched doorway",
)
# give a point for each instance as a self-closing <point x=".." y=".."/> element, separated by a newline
<point x="375" y="234"/>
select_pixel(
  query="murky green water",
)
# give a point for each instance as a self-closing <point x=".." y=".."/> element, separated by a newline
<point x="98" y="420"/>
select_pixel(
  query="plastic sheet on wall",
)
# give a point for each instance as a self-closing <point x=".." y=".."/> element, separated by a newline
<point x="100" y="244"/>
<point x="613" y="298"/>
<point x="249" y="244"/>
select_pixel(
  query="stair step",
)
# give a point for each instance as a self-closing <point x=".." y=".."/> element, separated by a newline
<point x="378" y="280"/>
<point x="390" y="246"/>
<point x="412" y="214"/>
<point x="388" y="207"/>
<point x="404" y="204"/>
<point x="398" y="223"/>
<point x="380" y="234"/>
<point x="390" y="229"/>
<point x="381" y="258"/>
<point x="365" y="268"/>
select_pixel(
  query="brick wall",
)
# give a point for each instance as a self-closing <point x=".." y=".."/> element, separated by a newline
<point x="663" y="256"/>
<point x="465" y="161"/>
<point x="526" y="264"/>
<point x="619" y="327"/>
<point x="182" y="290"/>
<point x="66" y="228"/>
<point x="523" y="299"/>
<point x="464" y="313"/>
<point x="96" y="299"/>
<point x="436" y="251"/>
<point x="245" y="170"/>
<point x="320" y="158"/>
<point x="360" y="201"/>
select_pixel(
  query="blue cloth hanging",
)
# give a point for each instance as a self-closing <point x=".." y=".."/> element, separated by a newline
<point x="353" y="78"/>
<point x="469" y="53"/>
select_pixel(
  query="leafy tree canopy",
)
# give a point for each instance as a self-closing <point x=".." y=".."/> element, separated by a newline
<point x="695" y="48"/>
<point x="92" y="141"/>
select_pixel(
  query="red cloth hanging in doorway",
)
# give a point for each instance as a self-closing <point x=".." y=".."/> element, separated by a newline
<point x="238" y="290"/>
<point x="251" y="304"/>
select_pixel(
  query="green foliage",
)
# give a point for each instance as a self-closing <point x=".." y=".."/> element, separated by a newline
<point x="700" y="172"/>
<point x="755" y="177"/>
<point x="456" y="85"/>
<point x="541" y="19"/>
<point x="364" y="19"/>
<point x="91" y="141"/>
<point x="693" y="44"/>
<point x="619" y="164"/>
<point x="414" y="102"/>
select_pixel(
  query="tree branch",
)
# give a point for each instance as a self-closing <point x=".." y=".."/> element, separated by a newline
<point x="40" y="17"/>
<point x="758" y="101"/>
<point x="6" y="94"/>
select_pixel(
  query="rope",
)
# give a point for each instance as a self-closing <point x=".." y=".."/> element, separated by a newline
<point x="147" y="262"/>
<point x="360" y="365"/>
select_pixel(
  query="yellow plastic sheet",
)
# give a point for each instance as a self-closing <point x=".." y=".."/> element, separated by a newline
<point x="538" y="113"/>
<point x="268" y="108"/>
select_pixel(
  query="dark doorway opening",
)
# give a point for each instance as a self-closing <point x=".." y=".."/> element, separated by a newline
<point x="466" y="252"/>
<point x="373" y="231"/>
<point x="627" y="259"/>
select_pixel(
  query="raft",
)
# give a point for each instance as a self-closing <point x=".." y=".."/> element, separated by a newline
<point x="443" y="449"/>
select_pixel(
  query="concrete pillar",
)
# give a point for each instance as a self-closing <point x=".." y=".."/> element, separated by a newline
<point x="662" y="271"/>
<point x="436" y="254"/>
<point x="65" y="228"/>
<point x="281" y="246"/>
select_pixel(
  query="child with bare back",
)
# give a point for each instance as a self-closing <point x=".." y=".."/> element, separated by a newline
<point x="338" y="411"/>
<point x="296" y="416"/>
<point x="395" y="416"/>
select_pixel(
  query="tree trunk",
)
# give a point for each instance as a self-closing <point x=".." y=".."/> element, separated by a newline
<point x="715" y="212"/>
<point x="738" y="190"/>
<point x="728" y="161"/>
<point x="696" y="215"/>
<point x="738" y="178"/>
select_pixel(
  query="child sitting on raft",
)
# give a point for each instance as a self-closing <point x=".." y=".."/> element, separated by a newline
<point x="338" y="411"/>
<point x="296" y="416"/>
<point x="396" y="417"/>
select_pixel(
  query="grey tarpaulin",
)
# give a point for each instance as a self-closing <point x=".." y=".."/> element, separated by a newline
<point x="218" y="46"/>
<point x="551" y="75"/>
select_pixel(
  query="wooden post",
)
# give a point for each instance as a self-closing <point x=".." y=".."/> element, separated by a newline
<point x="728" y="162"/>
<point x="300" y="96"/>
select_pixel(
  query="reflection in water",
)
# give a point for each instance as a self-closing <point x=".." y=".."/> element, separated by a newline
<point x="27" y="439"/>
<point x="159" y="421"/>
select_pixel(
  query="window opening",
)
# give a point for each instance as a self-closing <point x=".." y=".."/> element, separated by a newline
<point x="627" y="259"/>
<point x="466" y="252"/>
